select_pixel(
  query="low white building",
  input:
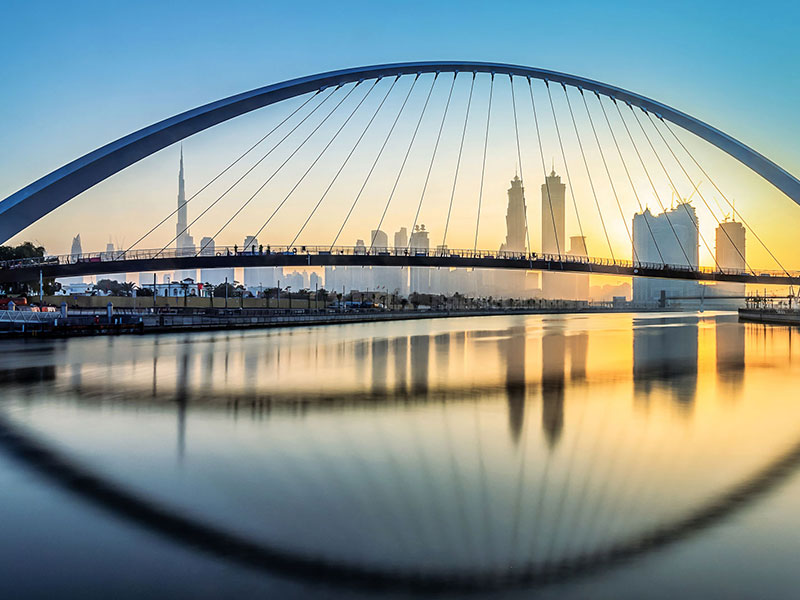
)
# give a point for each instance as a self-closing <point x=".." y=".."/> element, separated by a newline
<point x="184" y="287"/>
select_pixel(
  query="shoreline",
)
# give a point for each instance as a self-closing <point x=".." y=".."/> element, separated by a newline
<point x="161" y="323"/>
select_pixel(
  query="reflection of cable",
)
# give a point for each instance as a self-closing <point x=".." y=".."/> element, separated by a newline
<point x="230" y="546"/>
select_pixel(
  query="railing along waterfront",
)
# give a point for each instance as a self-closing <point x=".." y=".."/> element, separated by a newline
<point x="234" y="251"/>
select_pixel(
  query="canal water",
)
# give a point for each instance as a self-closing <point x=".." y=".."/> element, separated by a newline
<point x="561" y="456"/>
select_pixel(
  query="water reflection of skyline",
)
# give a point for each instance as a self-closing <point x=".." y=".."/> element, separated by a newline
<point x="664" y="358"/>
<point x="730" y="353"/>
<point x="409" y="369"/>
<point x="410" y="444"/>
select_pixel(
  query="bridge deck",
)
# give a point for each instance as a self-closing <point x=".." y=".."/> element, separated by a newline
<point x="169" y="260"/>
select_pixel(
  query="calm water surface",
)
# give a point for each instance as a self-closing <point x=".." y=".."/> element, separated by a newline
<point x="611" y="456"/>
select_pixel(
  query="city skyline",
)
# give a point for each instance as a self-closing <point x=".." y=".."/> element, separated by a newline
<point x="142" y="185"/>
<point x="666" y="237"/>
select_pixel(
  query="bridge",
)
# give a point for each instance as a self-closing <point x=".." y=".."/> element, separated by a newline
<point x="102" y="263"/>
<point x="354" y="119"/>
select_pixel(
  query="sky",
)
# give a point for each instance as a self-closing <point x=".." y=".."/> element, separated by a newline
<point x="78" y="75"/>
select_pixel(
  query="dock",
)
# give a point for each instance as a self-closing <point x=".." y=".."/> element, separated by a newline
<point x="773" y="316"/>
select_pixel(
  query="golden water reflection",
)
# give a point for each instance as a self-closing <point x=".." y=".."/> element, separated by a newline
<point x="475" y="443"/>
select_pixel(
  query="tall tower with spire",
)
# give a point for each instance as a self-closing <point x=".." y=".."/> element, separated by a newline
<point x="183" y="240"/>
<point x="184" y="243"/>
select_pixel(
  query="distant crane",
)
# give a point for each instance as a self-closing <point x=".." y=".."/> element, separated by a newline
<point x="689" y="199"/>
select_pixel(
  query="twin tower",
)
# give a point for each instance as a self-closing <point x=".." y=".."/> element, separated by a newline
<point x="554" y="285"/>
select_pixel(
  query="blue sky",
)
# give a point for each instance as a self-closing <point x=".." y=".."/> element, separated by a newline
<point x="77" y="75"/>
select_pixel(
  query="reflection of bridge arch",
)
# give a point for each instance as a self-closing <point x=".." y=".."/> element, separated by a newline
<point x="29" y="204"/>
<point x="272" y="559"/>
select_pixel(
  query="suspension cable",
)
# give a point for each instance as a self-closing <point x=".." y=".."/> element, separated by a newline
<point x="483" y="165"/>
<point x="588" y="172"/>
<point x="544" y="170"/>
<point x="245" y="174"/>
<point x="675" y="189"/>
<point x="519" y="162"/>
<point x="458" y="162"/>
<point x="566" y="166"/>
<point x="630" y="180"/>
<point x="402" y="165"/>
<point x="319" y="156"/>
<point x="225" y="170"/>
<point x="374" y="164"/>
<point x="695" y="187"/>
<point x="652" y="185"/>
<point x="280" y="167"/>
<point x="733" y="207"/>
<point x="347" y="159"/>
<point x="699" y="193"/>
<point x="433" y="156"/>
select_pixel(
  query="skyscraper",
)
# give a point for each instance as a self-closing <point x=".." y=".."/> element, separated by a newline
<point x="213" y="276"/>
<point x="207" y="248"/>
<point x="379" y="241"/>
<point x="399" y="278"/>
<point x="401" y="239"/>
<point x="256" y="279"/>
<point x="730" y="242"/>
<point x="512" y="282"/>
<point x="554" y="285"/>
<point x="75" y="251"/>
<point x="420" y="276"/>
<point x="553" y="194"/>
<point x="76" y="246"/>
<point x="516" y="220"/>
<point x="580" y="283"/>
<point x="184" y="243"/>
<point x="419" y="239"/>
<point x="730" y="254"/>
<point x="672" y="238"/>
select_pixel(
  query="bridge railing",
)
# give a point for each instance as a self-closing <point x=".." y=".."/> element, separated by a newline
<point x="173" y="253"/>
<point x="27" y="316"/>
